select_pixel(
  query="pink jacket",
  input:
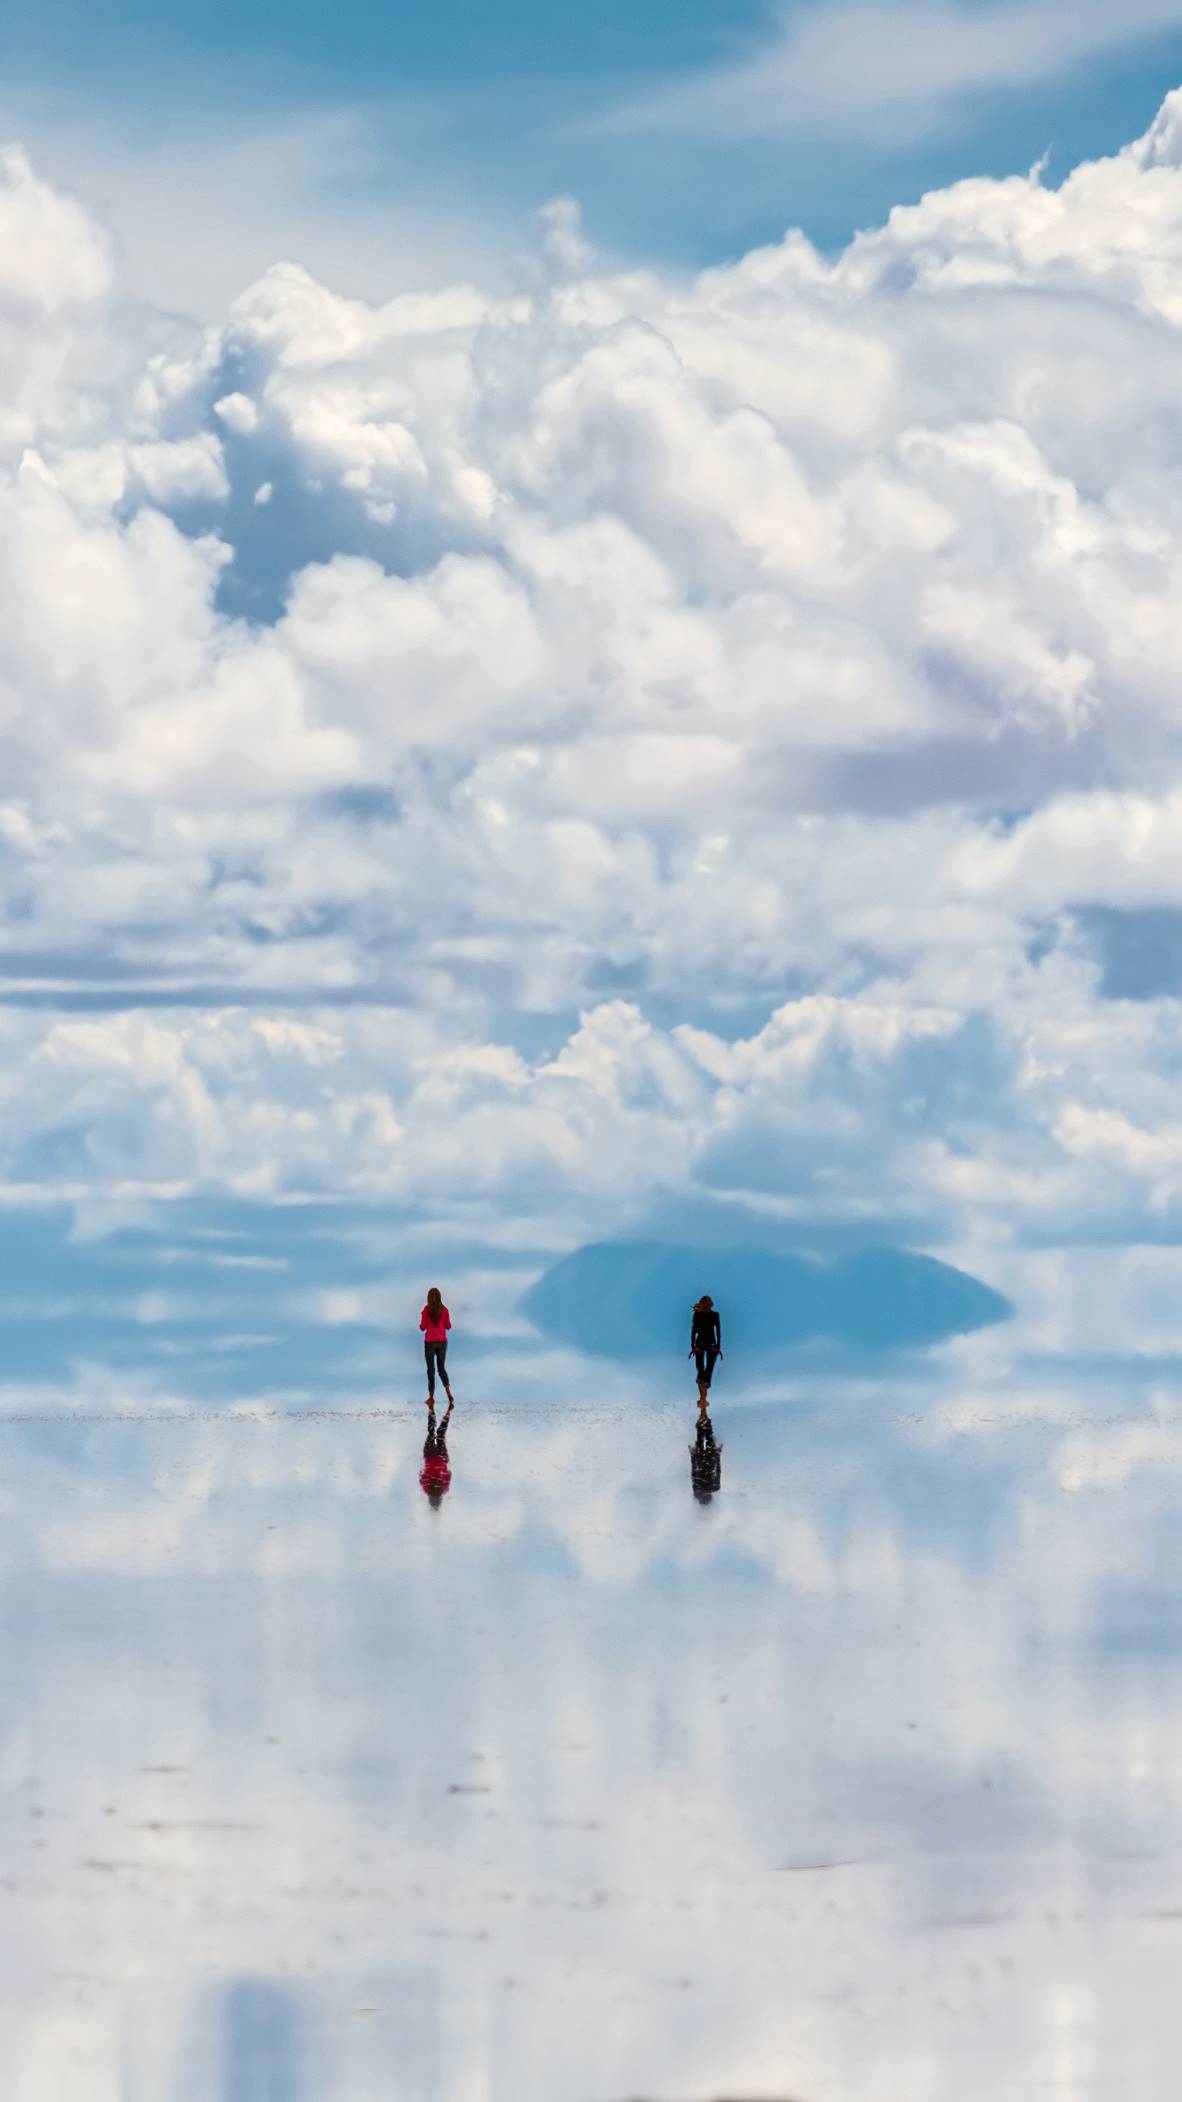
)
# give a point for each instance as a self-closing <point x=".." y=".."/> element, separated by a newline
<point x="435" y="1331"/>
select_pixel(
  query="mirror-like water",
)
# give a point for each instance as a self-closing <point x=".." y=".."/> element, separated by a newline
<point x="856" y="1780"/>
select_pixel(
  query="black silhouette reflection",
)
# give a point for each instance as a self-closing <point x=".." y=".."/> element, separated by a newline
<point x="435" y="1473"/>
<point x="705" y="1460"/>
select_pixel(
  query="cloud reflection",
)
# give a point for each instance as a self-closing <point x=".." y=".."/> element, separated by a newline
<point x="866" y="1787"/>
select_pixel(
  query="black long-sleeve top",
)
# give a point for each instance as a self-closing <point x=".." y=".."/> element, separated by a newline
<point x="706" y="1332"/>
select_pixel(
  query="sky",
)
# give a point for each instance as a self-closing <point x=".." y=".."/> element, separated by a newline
<point x="562" y="756"/>
<point x="392" y="148"/>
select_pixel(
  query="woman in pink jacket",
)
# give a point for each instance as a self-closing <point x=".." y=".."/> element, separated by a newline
<point x="435" y="1322"/>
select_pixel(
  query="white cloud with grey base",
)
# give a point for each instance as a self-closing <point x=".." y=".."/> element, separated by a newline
<point x="658" y="734"/>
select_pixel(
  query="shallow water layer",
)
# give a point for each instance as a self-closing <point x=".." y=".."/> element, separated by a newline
<point x="857" y="1783"/>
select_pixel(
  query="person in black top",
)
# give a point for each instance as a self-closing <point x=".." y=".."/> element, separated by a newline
<point x="705" y="1343"/>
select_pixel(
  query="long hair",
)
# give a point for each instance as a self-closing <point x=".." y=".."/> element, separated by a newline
<point x="434" y="1302"/>
<point x="704" y="1305"/>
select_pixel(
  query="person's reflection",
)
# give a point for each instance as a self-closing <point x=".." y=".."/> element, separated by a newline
<point x="435" y="1473"/>
<point x="705" y="1460"/>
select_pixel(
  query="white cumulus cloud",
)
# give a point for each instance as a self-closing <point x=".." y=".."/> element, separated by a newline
<point x="636" y="736"/>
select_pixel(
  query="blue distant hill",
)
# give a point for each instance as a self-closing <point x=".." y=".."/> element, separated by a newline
<point x="629" y="1298"/>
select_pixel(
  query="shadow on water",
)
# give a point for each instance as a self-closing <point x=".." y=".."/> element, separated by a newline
<point x="626" y="1299"/>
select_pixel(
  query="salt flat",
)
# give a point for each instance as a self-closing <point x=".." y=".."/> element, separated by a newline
<point x="857" y="1784"/>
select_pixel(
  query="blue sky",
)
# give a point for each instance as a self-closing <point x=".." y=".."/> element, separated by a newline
<point x="419" y="141"/>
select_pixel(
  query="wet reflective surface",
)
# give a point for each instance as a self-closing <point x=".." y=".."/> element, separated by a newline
<point x="838" y="1761"/>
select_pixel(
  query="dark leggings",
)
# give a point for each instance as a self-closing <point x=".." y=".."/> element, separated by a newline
<point x="705" y="1360"/>
<point x="435" y="1447"/>
<point x="436" y="1355"/>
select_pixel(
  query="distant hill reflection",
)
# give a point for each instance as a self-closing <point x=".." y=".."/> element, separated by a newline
<point x="622" y="1299"/>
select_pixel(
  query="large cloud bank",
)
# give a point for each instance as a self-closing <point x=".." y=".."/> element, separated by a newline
<point x="636" y="736"/>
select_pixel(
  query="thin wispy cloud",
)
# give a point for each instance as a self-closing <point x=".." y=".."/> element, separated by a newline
<point x="885" y="74"/>
<point x="202" y="200"/>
